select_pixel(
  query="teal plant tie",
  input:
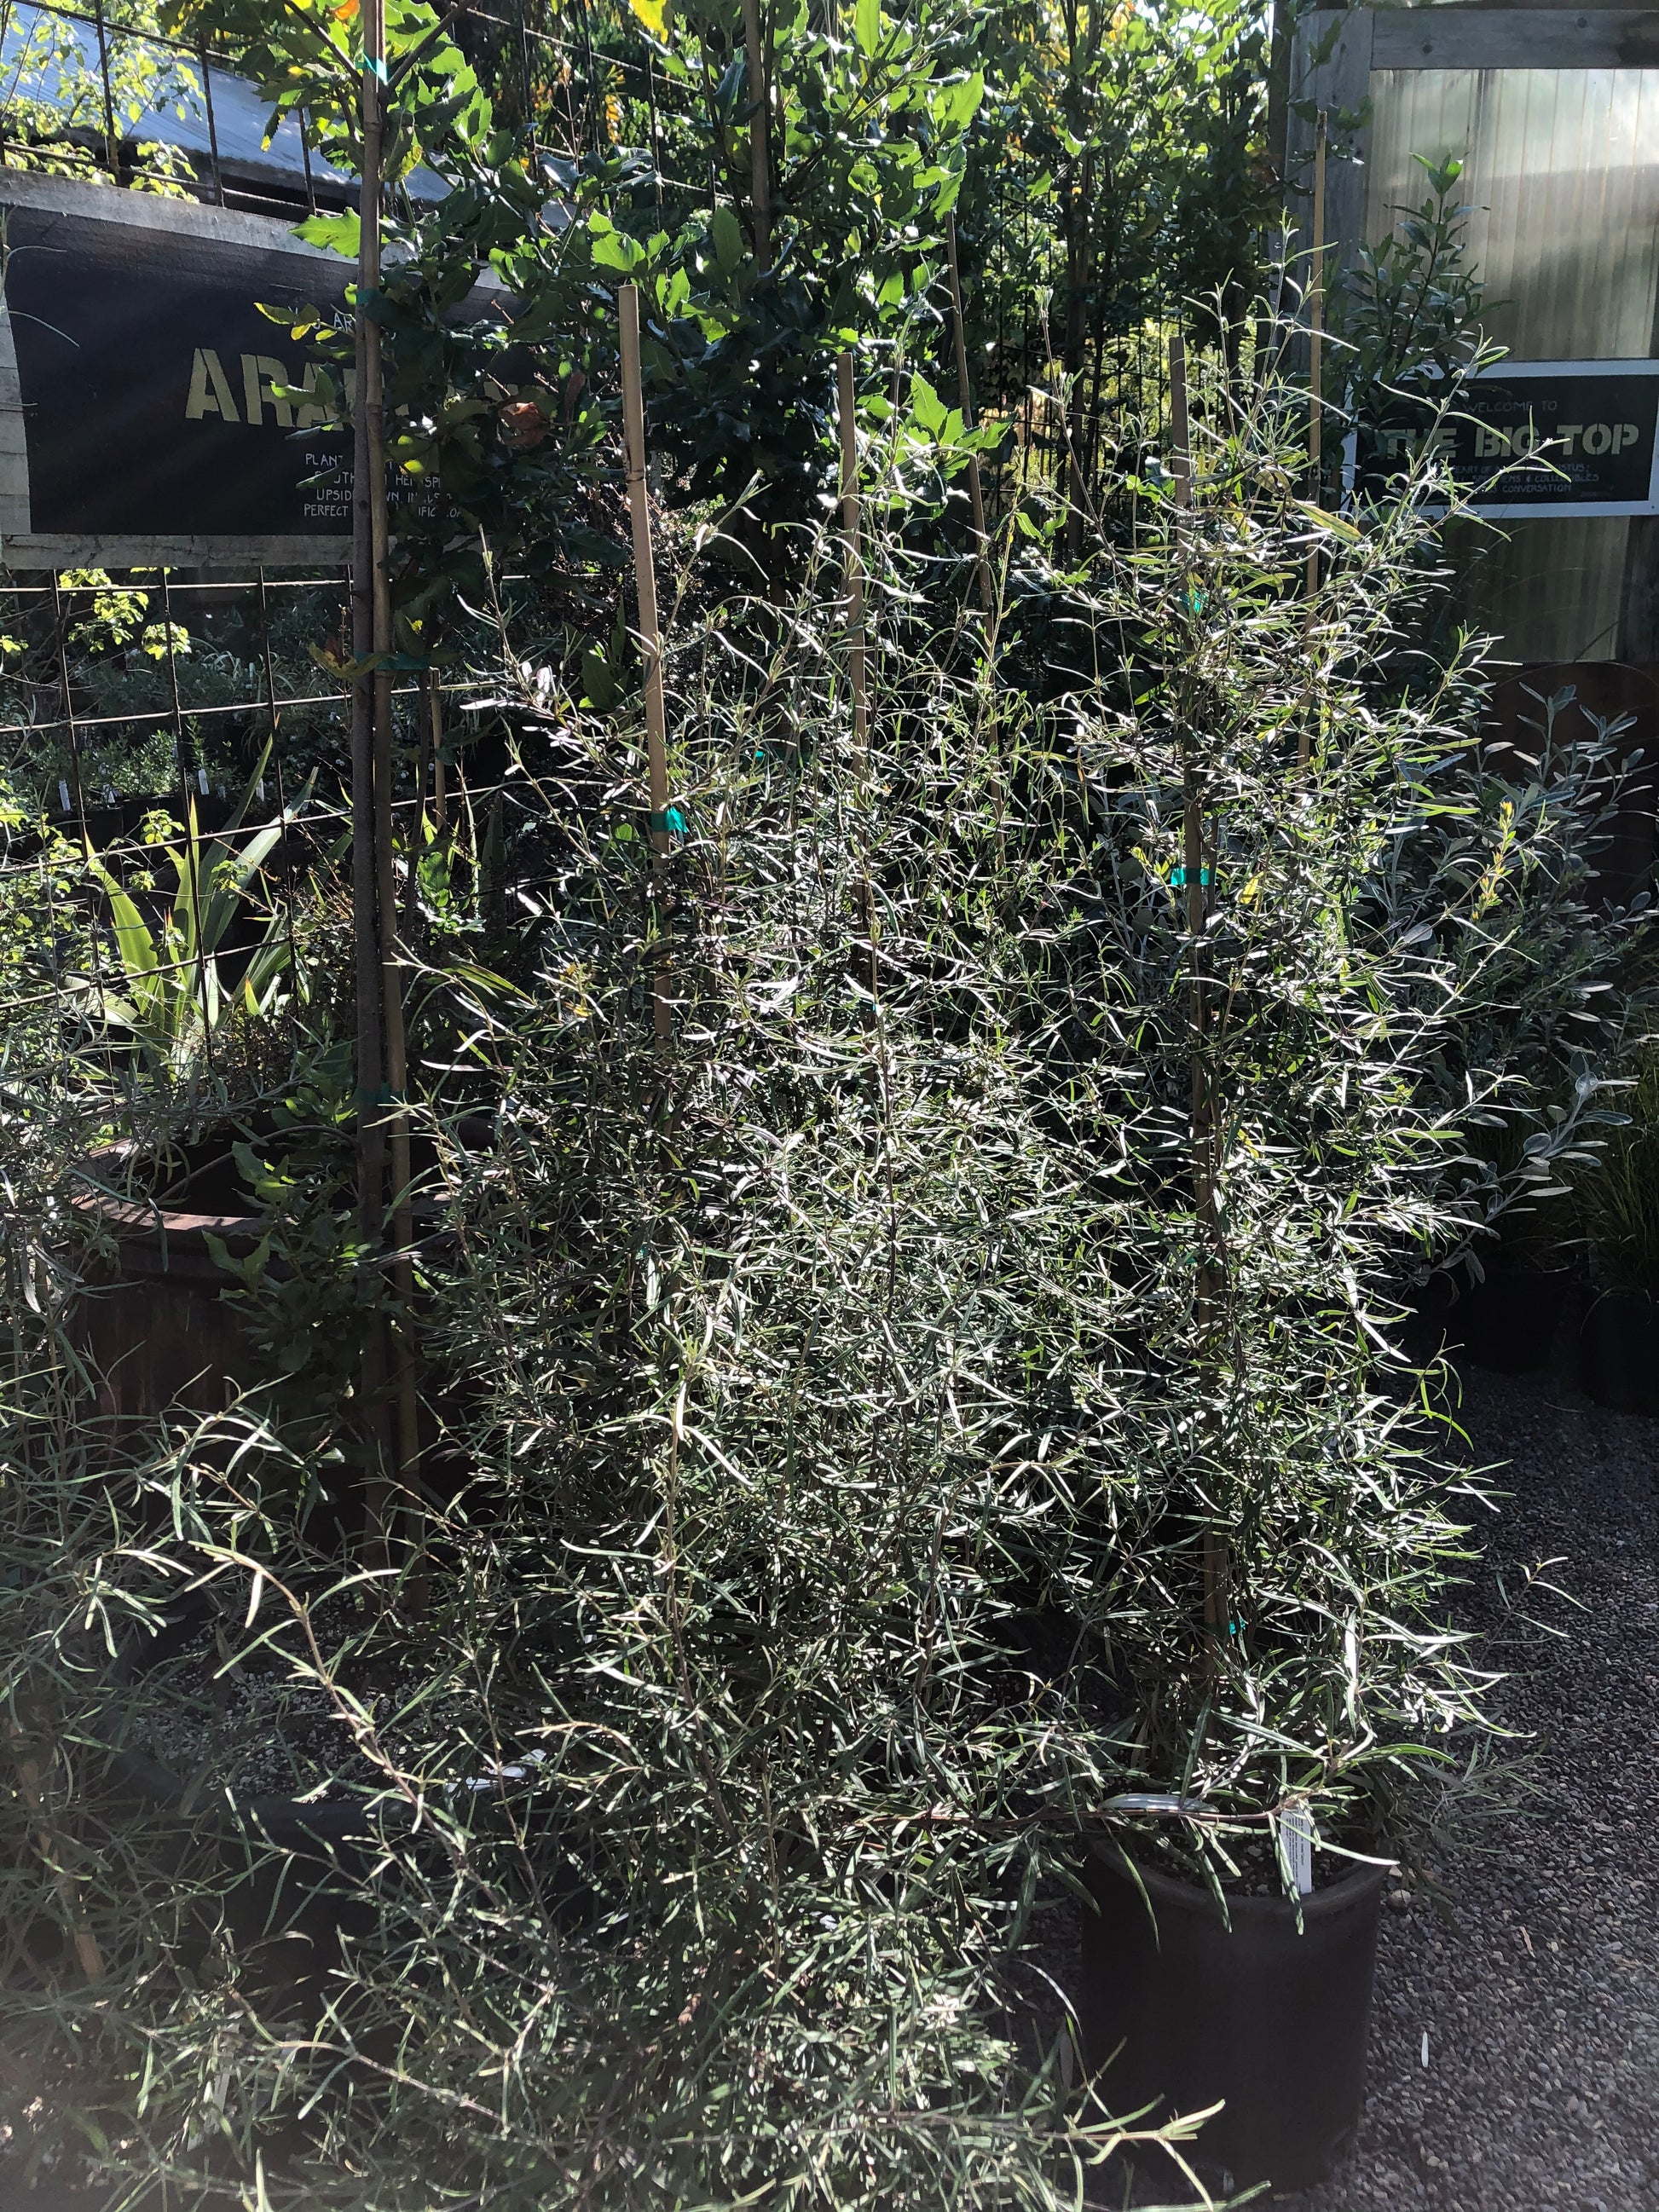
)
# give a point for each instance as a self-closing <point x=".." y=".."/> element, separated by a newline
<point x="672" y="820"/>
<point x="1178" y="878"/>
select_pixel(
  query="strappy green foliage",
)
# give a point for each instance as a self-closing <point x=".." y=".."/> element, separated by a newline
<point x="176" y="999"/>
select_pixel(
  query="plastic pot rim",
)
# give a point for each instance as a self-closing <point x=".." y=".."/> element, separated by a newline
<point x="1345" y="1894"/>
<point x="279" y="1820"/>
<point x="283" y="1821"/>
<point x="1636" y="1292"/>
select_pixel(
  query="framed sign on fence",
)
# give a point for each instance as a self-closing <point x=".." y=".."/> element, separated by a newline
<point x="150" y="414"/>
<point x="1567" y="438"/>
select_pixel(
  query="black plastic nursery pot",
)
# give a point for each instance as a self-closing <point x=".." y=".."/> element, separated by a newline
<point x="297" y="1868"/>
<point x="1513" y="1316"/>
<point x="291" y="1864"/>
<point x="1618" y="1351"/>
<point x="1266" y="2019"/>
<point x="1434" y="1317"/>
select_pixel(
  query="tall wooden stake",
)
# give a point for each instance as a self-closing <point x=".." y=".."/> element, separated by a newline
<point x="853" y="568"/>
<point x="383" y="1078"/>
<point x="368" y="498"/>
<point x="1202" y="1109"/>
<point x="857" y="658"/>
<point x="760" y="168"/>
<point x="656" y="710"/>
<point x="1316" y="322"/>
<point x="408" y="1448"/>
<point x="1315" y="385"/>
<point x="439" y="793"/>
<point x="965" y="392"/>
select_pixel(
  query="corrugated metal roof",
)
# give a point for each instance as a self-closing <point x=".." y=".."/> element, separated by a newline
<point x="239" y="115"/>
<point x="1563" y="179"/>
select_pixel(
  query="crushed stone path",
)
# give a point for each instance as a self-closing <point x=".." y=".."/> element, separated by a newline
<point x="1538" y="1985"/>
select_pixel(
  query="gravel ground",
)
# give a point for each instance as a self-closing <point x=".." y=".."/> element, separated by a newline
<point x="1538" y="1989"/>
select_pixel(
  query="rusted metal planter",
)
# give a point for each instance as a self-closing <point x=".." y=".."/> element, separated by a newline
<point x="152" y="1320"/>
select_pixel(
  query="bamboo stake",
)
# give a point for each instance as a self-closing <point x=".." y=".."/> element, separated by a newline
<point x="1079" y="196"/>
<point x="656" y="710"/>
<point x="439" y="793"/>
<point x="1315" y="363"/>
<point x="965" y="391"/>
<point x="853" y="557"/>
<point x="1317" y="325"/>
<point x="858" y="670"/>
<point x="368" y="536"/>
<point x="406" y="1453"/>
<point x="418" y="816"/>
<point x="760" y="172"/>
<point x="388" y="1499"/>
<point x="1202" y="1130"/>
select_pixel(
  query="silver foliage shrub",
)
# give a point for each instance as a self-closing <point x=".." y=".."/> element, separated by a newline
<point x="832" y="1428"/>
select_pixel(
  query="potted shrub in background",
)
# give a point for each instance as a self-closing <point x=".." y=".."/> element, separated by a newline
<point x="1618" y="1204"/>
<point x="1545" y="996"/>
<point x="1518" y="1280"/>
<point x="1299" y="923"/>
<point x="188" y="1030"/>
<point x="1544" y="802"/>
<point x="1557" y="985"/>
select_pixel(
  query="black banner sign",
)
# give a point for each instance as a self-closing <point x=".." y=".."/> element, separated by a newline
<point x="1561" y="438"/>
<point x="150" y="385"/>
<point x="163" y="416"/>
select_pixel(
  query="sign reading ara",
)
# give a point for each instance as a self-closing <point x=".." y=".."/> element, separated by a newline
<point x="1556" y="437"/>
<point x="150" y="413"/>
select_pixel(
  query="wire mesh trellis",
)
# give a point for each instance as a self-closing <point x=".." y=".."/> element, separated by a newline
<point x="248" y="755"/>
<point x="88" y="94"/>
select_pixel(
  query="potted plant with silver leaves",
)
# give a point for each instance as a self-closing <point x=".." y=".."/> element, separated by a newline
<point x="1618" y="1205"/>
<point x="1297" y="929"/>
<point x="188" y="1007"/>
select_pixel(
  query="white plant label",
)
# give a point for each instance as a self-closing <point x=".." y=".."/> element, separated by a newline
<point x="62" y="792"/>
<point x="201" y="777"/>
<point x="1296" y="1831"/>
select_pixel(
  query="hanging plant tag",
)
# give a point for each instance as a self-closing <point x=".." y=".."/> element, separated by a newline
<point x="1296" y="1833"/>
